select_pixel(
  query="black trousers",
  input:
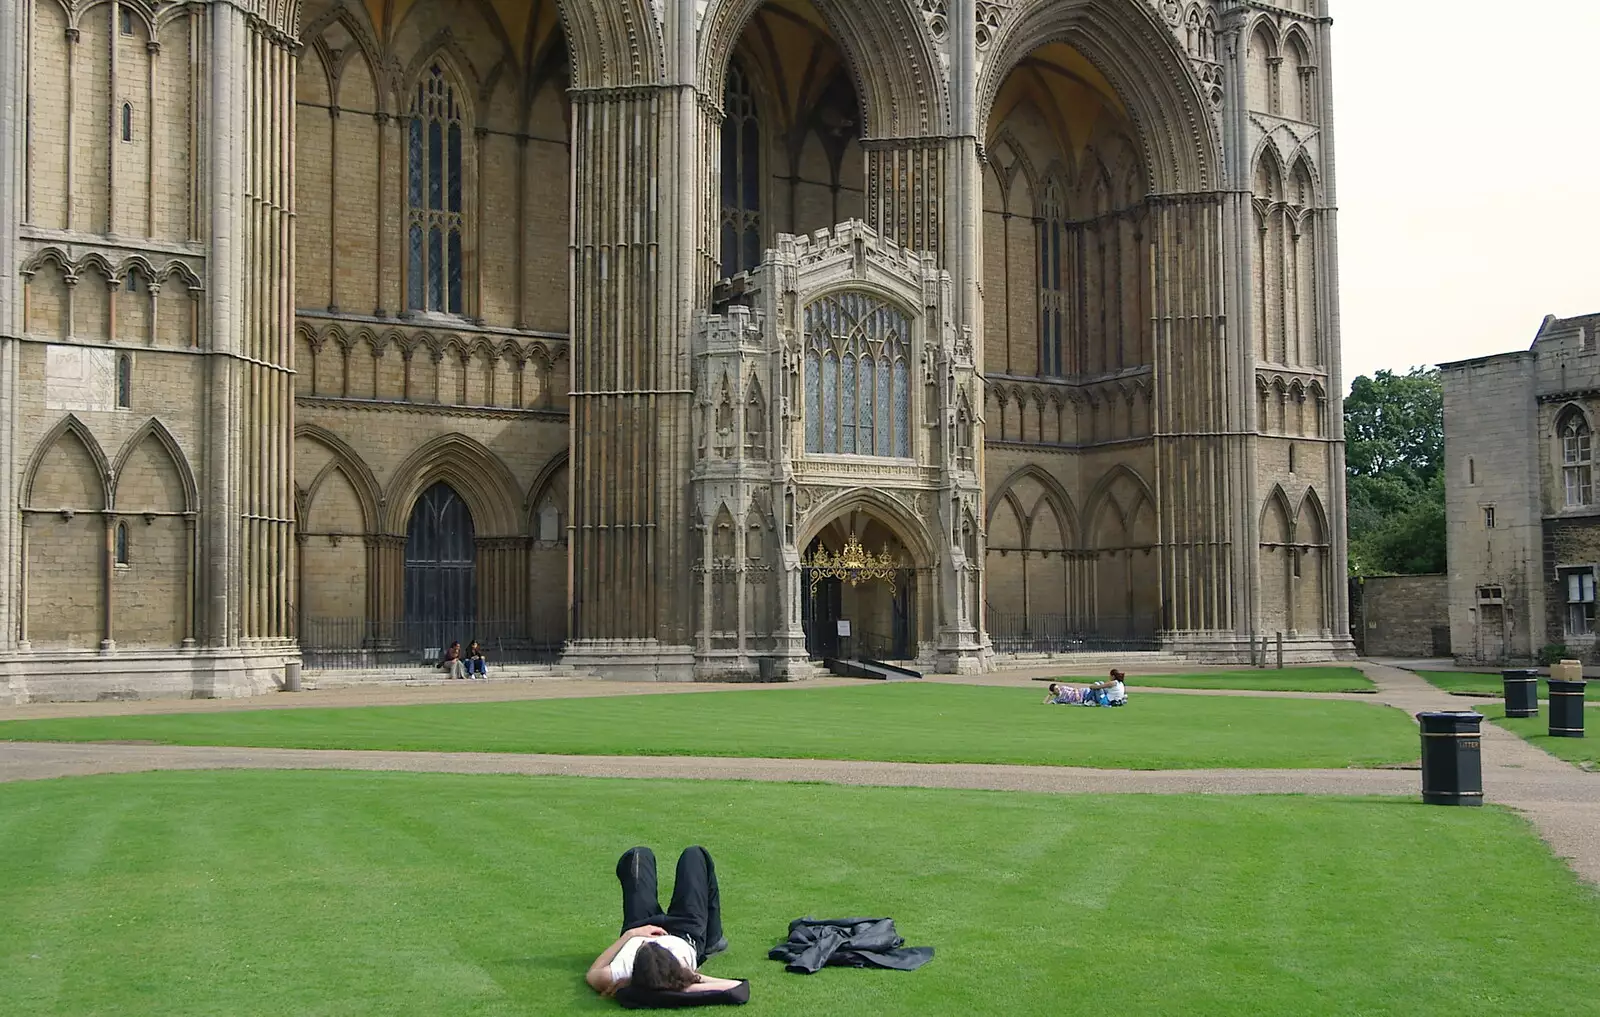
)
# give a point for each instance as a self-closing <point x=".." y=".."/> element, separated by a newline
<point x="696" y="909"/>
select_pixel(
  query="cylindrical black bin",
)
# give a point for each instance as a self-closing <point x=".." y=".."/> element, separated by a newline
<point x="1522" y="692"/>
<point x="1452" y="758"/>
<point x="1566" y="709"/>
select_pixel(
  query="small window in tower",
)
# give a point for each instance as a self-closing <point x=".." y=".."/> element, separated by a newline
<point x="1488" y="517"/>
<point x="133" y="282"/>
<point x="125" y="21"/>
<point x="121" y="550"/>
<point x="124" y="382"/>
<point x="127" y="121"/>
<point x="1585" y="340"/>
<point x="1472" y="471"/>
<point x="1291" y="457"/>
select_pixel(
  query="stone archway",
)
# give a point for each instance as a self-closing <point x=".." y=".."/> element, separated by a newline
<point x="440" y="565"/>
<point x="862" y="565"/>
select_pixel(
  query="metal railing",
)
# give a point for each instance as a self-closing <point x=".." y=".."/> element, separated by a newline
<point x="351" y="644"/>
<point x="1057" y="633"/>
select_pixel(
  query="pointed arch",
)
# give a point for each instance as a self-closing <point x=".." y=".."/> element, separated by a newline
<point x="897" y="75"/>
<point x="1311" y="520"/>
<point x="154" y="428"/>
<point x="1269" y="174"/>
<point x="549" y="475"/>
<point x="354" y="469"/>
<point x="1066" y="511"/>
<point x="1139" y="55"/>
<point x="479" y="476"/>
<point x="1102" y="492"/>
<point x="68" y="427"/>
<point x="911" y="530"/>
<point x="614" y="43"/>
<point x="1277" y="517"/>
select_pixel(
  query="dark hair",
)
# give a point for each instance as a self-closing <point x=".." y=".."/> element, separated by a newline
<point x="1055" y="686"/>
<point x="456" y="643"/>
<point x="655" y="968"/>
<point x="1118" y="675"/>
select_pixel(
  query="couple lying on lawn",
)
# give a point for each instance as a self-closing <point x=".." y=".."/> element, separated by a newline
<point x="1107" y="693"/>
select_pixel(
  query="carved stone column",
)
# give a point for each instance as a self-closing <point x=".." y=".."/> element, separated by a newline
<point x="906" y="190"/>
<point x="630" y="395"/>
<point x="248" y="468"/>
<point x="12" y="547"/>
<point x="1196" y="448"/>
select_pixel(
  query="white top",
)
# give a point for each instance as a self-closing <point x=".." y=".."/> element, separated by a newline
<point x="1116" y="693"/>
<point x="622" y="963"/>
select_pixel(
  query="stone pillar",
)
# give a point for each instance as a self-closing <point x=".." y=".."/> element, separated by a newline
<point x="247" y="543"/>
<point x="906" y="190"/>
<point x="13" y="66"/>
<point x="1328" y="308"/>
<point x="637" y="271"/>
<point x="1196" y="493"/>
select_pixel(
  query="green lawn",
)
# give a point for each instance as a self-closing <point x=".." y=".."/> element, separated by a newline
<point x="412" y="895"/>
<point x="1472" y="683"/>
<point x="1290" y="679"/>
<point x="1536" y="731"/>
<point x="896" y="722"/>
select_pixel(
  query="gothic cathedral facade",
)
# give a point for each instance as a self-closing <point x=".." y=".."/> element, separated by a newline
<point x="670" y="338"/>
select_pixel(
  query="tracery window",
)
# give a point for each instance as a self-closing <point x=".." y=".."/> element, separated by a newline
<point x="741" y="176"/>
<point x="1577" y="470"/>
<point x="858" y="376"/>
<point x="1053" y="235"/>
<point x="435" y="161"/>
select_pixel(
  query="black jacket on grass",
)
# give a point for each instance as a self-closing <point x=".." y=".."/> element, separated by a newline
<point x="815" y="943"/>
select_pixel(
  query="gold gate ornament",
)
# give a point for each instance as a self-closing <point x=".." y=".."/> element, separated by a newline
<point x="854" y="565"/>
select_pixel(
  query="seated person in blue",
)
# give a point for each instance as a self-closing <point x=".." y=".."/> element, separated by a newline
<point x="662" y="951"/>
<point x="1107" y="693"/>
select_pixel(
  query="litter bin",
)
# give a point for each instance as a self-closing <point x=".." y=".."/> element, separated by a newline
<point x="291" y="676"/>
<point x="1566" y="708"/>
<point x="1452" y="758"/>
<point x="1522" y="692"/>
<point x="767" y="668"/>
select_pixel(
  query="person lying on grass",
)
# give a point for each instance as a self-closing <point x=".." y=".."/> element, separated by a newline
<point x="1064" y="695"/>
<point x="662" y="951"/>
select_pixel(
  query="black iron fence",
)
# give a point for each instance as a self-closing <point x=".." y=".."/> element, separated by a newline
<point x="347" y="644"/>
<point x="1058" y="633"/>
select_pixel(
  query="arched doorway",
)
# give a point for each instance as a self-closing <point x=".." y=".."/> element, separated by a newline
<point x="440" y="593"/>
<point x="858" y="593"/>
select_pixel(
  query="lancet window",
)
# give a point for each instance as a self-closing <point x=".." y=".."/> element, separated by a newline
<point x="1053" y="237"/>
<point x="741" y="176"/>
<point x="858" y="376"/>
<point x="435" y="171"/>
<point x="1577" y="471"/>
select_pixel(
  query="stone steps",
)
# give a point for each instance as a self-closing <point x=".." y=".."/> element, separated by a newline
<point x="416" y="677"/>
<point x="1148" y="662"/>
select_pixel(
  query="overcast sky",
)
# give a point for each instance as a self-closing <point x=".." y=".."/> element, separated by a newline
<point x="1468" y="172"/>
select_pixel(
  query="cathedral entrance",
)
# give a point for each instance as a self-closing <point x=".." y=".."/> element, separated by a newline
<point x="858" y="594"/>
<point x="440" y="594"/>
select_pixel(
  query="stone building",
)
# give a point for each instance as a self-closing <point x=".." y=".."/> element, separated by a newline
<point x="1522" y="518"/>
<point x="608" y="327"/>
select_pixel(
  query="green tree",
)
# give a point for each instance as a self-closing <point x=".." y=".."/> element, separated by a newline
<point x="1394" y="458"/>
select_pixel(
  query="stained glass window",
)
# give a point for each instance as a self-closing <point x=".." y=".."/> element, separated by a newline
<point x="858" y="379"/>
<point x="741" y="176"/>
<point x="436" y="179"/>
<point x="1052" y="294"/>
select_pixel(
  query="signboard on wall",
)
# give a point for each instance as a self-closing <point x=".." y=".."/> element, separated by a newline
<point x="844" y="626"/>
<point x="80" y="378"/>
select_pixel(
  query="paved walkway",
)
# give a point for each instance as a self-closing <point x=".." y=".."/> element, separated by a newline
<point x="1562" y="801"/>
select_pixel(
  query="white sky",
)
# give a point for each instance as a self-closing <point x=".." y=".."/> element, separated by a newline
<point x="1468" y="173"/>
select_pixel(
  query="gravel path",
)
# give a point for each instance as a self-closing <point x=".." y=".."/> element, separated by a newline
<point x="1562" y="801"/>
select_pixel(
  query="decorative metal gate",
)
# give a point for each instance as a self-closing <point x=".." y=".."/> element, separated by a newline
<point x="440" y="596"/>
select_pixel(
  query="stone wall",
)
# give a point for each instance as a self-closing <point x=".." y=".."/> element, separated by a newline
<point x="1402" y="616"/>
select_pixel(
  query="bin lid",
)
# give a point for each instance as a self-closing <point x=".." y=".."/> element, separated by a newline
<point x="1450" y="715"/>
